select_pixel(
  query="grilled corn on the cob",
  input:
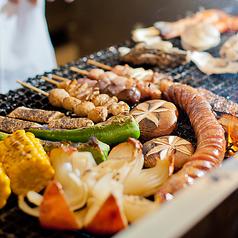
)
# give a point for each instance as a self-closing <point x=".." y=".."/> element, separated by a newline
<point x="5" y="190"/>
<point x="25" y="162"/>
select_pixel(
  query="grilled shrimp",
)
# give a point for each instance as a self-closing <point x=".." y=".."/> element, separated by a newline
<point x="221" y="20"/>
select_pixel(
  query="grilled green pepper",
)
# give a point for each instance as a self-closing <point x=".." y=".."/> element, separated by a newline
<point x="2" y="134"/>
<point x="98" y="149"/>
<point x="115" y="130"/>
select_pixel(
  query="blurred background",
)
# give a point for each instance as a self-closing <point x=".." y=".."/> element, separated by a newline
<point x="86" y="26"/>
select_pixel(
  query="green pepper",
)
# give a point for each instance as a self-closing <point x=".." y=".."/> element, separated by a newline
<point x="115" y="130"/>
<point x="2" y="134"/>
<point x="98" y="149"/>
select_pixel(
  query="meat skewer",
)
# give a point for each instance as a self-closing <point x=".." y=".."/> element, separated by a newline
<point x="97" y="110"/>
<point x="100" y="65"/>
<point x="59" y="77"/>
<point x="210" y="136"/>
<point x="122" y="79"/>
<point x="33" y="88"/>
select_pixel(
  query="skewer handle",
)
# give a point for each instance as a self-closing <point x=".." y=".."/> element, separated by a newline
<point x="59" y="78"/>
<point x="50" y="80"/>
<point x="34" y="88"/>
<point x="80" y="71"/>
<point x="103" y="66"/>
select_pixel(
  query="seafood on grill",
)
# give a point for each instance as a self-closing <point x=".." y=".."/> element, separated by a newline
<point x="221" y="20"/>
<point x="150" y="36"/>
<point x="212" y="65"/>
<point x="229" y="49"/>
<point x="200" y="37"/>
<point x="142" y="54"/>
<point x="211" y="143"/>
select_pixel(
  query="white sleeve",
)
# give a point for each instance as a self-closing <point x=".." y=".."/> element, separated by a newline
<point x="25" y="46"/>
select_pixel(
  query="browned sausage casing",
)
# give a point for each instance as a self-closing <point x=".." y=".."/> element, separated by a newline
<point x="210" y="136"/>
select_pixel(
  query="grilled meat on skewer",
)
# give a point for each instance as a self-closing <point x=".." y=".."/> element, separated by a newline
<point x="60" y="98"/>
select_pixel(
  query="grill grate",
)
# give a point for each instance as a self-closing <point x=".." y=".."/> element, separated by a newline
<point x="13" y="222"/>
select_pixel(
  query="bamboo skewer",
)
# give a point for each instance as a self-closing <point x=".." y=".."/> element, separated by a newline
<point x="103" y="66"/>
<point x="33" y="88"/>
<point x="50" y="80"/>
<point x="59" y="77"/>
<point x="80" y="71"/>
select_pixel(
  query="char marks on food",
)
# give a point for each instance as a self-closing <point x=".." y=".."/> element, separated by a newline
<point x="210" y="136"/>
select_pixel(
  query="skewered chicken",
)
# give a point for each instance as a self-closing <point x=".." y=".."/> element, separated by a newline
<point x="120" y="80"/>
<point x="97" y="109"/>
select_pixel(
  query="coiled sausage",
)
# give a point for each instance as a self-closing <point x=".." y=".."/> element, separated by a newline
<point x="210" y="136"/>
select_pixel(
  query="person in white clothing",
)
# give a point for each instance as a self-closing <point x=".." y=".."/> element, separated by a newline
<point x="25" y="46"/>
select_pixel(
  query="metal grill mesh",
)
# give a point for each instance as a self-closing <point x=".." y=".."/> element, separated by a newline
<point x="13" y="222"/>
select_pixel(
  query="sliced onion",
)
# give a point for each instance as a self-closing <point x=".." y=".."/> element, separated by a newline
<point x="127" y="149"/>
<point x="90" y="179"/>
<point x="136" y="207"/>
<point x="114" y="165"/>
<point x="35" y="212"/>
<point x="101" y="191"/>
<point x="76" y="192"/>
<point x="35" y="198"/>
<point x="80" y="216"/>
<point x="82" y="161"/>
<point x="147" y="181"/>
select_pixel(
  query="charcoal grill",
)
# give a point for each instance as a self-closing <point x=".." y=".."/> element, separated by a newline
<point x="13" y="222"/>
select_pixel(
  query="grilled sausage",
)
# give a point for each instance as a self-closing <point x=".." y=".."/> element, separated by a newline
<point x="211" y="142"/>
